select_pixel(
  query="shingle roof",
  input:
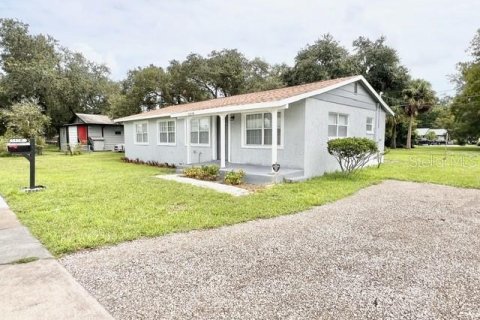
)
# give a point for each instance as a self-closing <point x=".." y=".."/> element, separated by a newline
<point x="242" y="99"/>
<point x="94" y="118"/>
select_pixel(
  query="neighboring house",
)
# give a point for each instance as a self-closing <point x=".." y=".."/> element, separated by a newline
<point x="441" y="136"/>
<point x="236" y="131"/>
<point x="97" y="131"/>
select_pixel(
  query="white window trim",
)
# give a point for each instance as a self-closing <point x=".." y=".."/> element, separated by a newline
<point x="209" y="132"/>
<point x="338" y="115"/>
<point x="135" y="133"/>
<point x="158" y="132"/>
<point x="372" y="124"/>
<point x="244" y="130"/>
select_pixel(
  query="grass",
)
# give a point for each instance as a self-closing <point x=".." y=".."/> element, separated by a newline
<point x="95" y="199"/>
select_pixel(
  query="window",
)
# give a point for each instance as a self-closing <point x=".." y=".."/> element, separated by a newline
<point x="200" y="131"/>
<point x="166" y="132"/>
<point x="337" y="125"/>
<point x="355" y="88"/>
<point x="370" y="125"/>
<point x="118" y="133"/>
<point x="141" y="133"/>
<point x="258" y="129"/>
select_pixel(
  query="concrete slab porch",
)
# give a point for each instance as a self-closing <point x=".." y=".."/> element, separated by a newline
<point x="255" y="174"/>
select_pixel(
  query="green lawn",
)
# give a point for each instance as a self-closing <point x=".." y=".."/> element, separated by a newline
<point x="95" y="199"/>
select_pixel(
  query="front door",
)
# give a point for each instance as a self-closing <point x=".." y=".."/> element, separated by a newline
<point x="217" y="125"/>
<point x="82" y="134"/>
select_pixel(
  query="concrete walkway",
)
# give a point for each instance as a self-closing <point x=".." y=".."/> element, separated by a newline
<point x="16" y="242"/>
<point x="219" y="187"/>
<point x="41" y="289"/>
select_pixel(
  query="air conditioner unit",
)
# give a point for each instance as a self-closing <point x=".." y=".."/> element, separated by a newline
<point x="119" y="147"/>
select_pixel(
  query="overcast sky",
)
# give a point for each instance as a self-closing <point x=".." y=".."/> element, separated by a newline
<point x="431" y="36"/>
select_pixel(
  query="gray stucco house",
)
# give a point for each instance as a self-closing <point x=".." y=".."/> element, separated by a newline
<point x="236" y="131"/>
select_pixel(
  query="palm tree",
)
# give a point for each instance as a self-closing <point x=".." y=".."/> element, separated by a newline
<point x="419" y="98"/>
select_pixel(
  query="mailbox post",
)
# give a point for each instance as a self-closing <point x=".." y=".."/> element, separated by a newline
<point x="31" y="159"/>
<point x="26" y="148"/>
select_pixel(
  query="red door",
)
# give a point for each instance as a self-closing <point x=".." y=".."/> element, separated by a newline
<point x="82" y="134"/>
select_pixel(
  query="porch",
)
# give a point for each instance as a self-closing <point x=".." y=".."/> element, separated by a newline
<point x="255" y="174"/>
<point x="228" y="138"/>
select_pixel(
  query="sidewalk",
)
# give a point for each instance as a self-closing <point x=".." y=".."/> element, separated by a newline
<point x="41" y="289"/>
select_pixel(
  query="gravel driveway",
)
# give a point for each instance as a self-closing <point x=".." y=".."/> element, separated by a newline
<point x="397" y="250"/>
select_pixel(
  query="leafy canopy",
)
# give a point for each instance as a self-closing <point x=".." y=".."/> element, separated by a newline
<point x="25" y="119"/>
<point x="36" y="67"/>
<point x="466" y="105"/>
<point x="419" y="98"/>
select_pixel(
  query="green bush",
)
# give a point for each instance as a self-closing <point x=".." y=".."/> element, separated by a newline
<point x="40" y="145"/>
<point x="352" y="153"/>
<point x="234" y="177"/>
<point x="209" y="172"/>
<point x="192" y="172"/>
<point x="152" y="163"/>
<point x="3" y="147"/>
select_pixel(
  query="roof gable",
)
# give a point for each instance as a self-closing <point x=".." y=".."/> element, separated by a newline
<point x="94" y="118"/>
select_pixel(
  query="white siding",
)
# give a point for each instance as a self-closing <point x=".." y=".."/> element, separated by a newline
<point x="72" y="135"/>
<point x="95" y="131"/>
<point x="63" y="138"/>
<point x="111" y="139"/>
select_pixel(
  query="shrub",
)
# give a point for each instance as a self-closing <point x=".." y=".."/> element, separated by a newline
<point x="193" y="172"/>
<point x="3" y="147"/>
<point x="148" y="163"/>
<point x="209" y="172"/>
<point x="40" y="145"/>
<point x="74" y="150"/>
<point x="352" y="153"/>
<point x="234" y="177"/>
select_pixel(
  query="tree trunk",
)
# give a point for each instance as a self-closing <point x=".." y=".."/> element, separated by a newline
<point x="393" y="143"/>
<point x="409" y="134"/>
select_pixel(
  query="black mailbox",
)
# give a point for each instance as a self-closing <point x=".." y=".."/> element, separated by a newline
<point x="26" y="148"/>
<point x="18" y="146"/>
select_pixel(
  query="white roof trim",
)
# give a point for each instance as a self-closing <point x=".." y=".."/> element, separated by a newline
<point x="153" y="116"/>
<point x="271" y="104"/>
